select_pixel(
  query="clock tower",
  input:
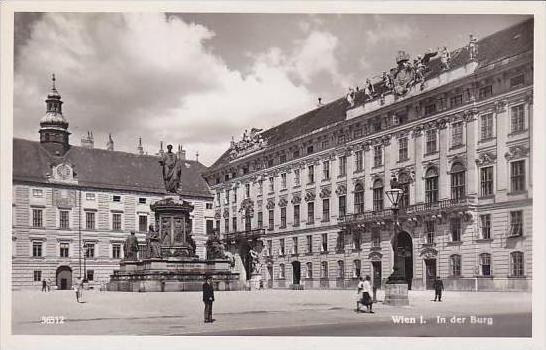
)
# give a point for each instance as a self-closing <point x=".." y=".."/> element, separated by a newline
<point x="53" y="127"/>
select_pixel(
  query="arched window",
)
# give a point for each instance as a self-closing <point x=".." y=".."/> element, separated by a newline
<point x="455" y="265"/>
<point x="457" y="181"/>
<point x="324" y="269"/>
<point x="516" y="264"/>
<point x="359" y="199"/>
<point x="485" y="264"/>
<point x="340" y="269"/>
<point x="431" y="185"/>
<point x="356" y="268"/>
<point x="309" y="270"/>
<point x="404" y="183"/>
<point x="378" y="195"/>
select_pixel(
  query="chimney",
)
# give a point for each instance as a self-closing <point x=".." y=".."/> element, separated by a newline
<point x="181" y="153"/>
<point x="161" y="152"/>
<point x="139" y="148"/>
<point x="110" y="143"/>
<point x="319" y="102"/>
<point x="197" y="156"/>
<point x="88" y="142"/>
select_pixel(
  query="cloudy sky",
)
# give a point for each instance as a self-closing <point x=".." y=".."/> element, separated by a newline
<point x="199" y="79"/>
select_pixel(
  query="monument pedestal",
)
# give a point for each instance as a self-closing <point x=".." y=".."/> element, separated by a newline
<point x="396" y="294"/>
<point x="255" y="280"/>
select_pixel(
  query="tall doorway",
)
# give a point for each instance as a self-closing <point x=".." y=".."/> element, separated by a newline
<point x="430" y="269"/>
<point x="64" y="278"/>
<point x="270" y="277"/>
<point x="403" y="255"/>
<point x="296" y="272"/>
<point x="376" y="266"/>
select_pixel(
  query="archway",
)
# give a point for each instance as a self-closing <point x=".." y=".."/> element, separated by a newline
<point x="403" y="255"/>
<point x="64" y="277"/>
<point x="296" y="272"/>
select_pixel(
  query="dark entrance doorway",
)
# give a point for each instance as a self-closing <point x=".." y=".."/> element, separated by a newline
<point x="403" y="255"/>
<point x="430" y="269"/>
<point x="270" y="277"/>
<point x="376" y="266"/>
<point x="64" y="277"/>
<point x="296" y="272"/>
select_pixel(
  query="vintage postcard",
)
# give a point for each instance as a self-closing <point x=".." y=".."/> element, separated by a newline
<point x="307" y="174"/>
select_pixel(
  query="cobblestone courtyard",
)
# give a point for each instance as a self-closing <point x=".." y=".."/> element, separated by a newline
<point x="269" y="312"/>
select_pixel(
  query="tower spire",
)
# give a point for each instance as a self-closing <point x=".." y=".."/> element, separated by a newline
<point x="53" y="127"/>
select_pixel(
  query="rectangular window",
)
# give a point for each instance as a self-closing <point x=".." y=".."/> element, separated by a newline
<point x="37" y="220"/>
<point x="310" y="149"/>
<point x="376" y="239"/>
<point x="518" y="118"/>
<point x="485" y="264"/>
<point x="294" y="245"/>
<point x="359" y="160"/>
<point x="517" y="175"/>
<point x="342" y="166"/>
<point x="430" y="109"/>
<point x="142" y="200"/>
<point x="485" y="92"/>
<point x="296" y="177"/>
<point x="271" y="218"/>
<point x="378" y="199"/>
<point x="283" y="181"/>
<point x="37" y="249"/>
<point x="341" y="139"/>
<point x="311" y="174"/>
<point x="485" y="221"/>
<point x="226" y="200"/>
<point x="217" y="225"/>
<point x="340" y="269"/>
<point x="357" y="133"/>
<point x="296" y="214"/>
<point x="342" y="203"/>
<point x="234" y="223"/>
<point x="309" y="244"/>
<point x="281" y="246"/>
<point x="377" y="155"/>
<point x="90" y="220"/>
<point x="283" y="217"/>
<point x="456" y="134"/>
<point x="226" y="225"/>
<point x="89" y="196"/>
<point x="309" y="270"/>
<point x="116" y="251"/>
<point x="516" y="264"/>
<point x="357" y="267"/>
<point x="324" y="269"/>
<point x="310" y="212"/>
<point x="455" y="262"/>
<point x="142" y="223"/>
<point x="486" y="181"/>
<point x="116" y="221"/>
<point x="326" y="170"/>
<point x="209" y="227"/>
<point x="37" y="193"/>
<point x="455" y="101"/>
<point x="430" y="232"/>
<point x="269" y="247"/>
<point x="37" y="276"/>
<point x="295" y="154"/>
<point x="324" y="144"/>
<point x="431" y="141"/>
<point x="260" y="219"/>
<point x="64" y="222"/>
<point x="282" y="158"/>
<point x="340" y="242"/>
<point x="90" y="275"/>
<point x="89" y="250"/>
<point x="271" y="184"/>
<point x="486" y="126"/>
<point x="326" y="210"/>
<point x="402" y="149"/>
<point x="63" y="249"/>
<point x="516" y="223"/>
<point x="458" y="185"/>
<point x="116" y="198"/>
<point x="455" y="228"/>
<point x="516" y="81"/>
<point x="208" y="206"/>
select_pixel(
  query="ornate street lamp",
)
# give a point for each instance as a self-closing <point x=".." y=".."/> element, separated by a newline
<point x="394" y="195"/>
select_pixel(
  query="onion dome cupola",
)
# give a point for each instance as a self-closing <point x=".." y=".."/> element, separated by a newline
<point x="53" y="127"/>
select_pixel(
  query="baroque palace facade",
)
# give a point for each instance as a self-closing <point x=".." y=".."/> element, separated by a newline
<point x="454" y="132"/>
<point x="74" y="206"/>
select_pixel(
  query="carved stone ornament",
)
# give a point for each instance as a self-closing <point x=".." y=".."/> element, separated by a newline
<point x="310" y="196"/>
<point x="500" y="106"/>
<point x="470" y="114"/>
<point x="250" y="142"/>
<point x="296" y="198"/>
<point x="458" y="158"/>
<point x="428" y="253"/>
<point x="270" y="204"/>
<point x="417" y="131"/>
<point x="341" y="190"/>
<point x="325" y="192"/>
<point x="375" y="256"/>
<point x="283" y="202"/>
<point x="217" y="215"/>
<point x="247" y="207"/>
<point x="226" y="213"/>
<point x="442" y="123"/>
<point x="366" y="145"/>
<point x="486" y="158"/>
<point x="515" y="152"/>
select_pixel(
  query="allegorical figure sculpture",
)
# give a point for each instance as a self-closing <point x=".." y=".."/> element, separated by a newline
<point x="351" y="97"/>
<point x="154" y="244"/>
<point x="473" y="48"/>
<point x="445" y="59"/>
<point x="255" y="264"/>
<point x="215" y="248"/>
<point x="171" y="170"/>
<point x="130" y="247"/>
<point x="191" y="243"/>
<point x="369" y="89"/>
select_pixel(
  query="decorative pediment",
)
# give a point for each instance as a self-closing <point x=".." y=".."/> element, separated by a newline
<point x="341" y="189"/>
<point x="428" y="253"/>
<point x="409" y="170"/>
<point x="458" y="158"/>
<point x="375" y="256"/>
<point x="283" y="202"/>
<point x="500" y="106"/>
<point x="486" y="158"/>
<point x="226" y="213"/>
<point x="270" y="204"/>
<point x="64" y="173"/>
<point x="310" y="196"/>
<point x="296" y="198"/>
<point x="515" y="152"/>
<point x="325" y="192"/>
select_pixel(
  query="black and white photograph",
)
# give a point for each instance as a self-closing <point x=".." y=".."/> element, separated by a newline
<point x="223" y="172"/>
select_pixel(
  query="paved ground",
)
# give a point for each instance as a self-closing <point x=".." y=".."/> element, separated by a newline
<point x="270" y="312"/>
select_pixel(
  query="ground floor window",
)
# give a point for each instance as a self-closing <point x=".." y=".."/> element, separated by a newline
<point x="309" y="270"/>
<point x="90" y="275"/>
<point x="455" y="265"/>
<point x="116" y="251"/>
<point x="324" y="269"/>
<point x="281" y="271"/>
<point x="485" y="264"/>
<point x="37" y="276"/>
<point x="340" y="269"/>
<point x="356" y="268"/>
<point x="516" y="264"/>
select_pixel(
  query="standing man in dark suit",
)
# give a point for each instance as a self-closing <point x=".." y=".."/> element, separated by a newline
<point x="438" y="288"/>
<point x="208" y="299"/>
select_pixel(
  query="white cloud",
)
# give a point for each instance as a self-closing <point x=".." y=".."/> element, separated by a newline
<point x="143" y="75"/>
<point x="387" y="31"/>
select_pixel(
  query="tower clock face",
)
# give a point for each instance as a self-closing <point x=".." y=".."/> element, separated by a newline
<point x="63" y="171"/>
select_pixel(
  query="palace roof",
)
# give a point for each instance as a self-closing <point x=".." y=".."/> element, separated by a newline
<point x="496" y="47"/>
<point x="103" y="169"/>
